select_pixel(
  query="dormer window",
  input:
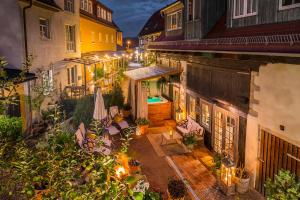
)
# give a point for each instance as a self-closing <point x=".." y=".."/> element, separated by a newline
<point x="244" y="8"/>
<point x="109" y="17"/>
<point x="174" y="21"/>
<point x="90" y="7"/>
<point x="98" y="11"/>
<point x="86" y="5"/>
<point x="287" y="4"/>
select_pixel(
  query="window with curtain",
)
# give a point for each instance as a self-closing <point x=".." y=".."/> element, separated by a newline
<point x="44" y="28"/>
<point x="244" y="8"/>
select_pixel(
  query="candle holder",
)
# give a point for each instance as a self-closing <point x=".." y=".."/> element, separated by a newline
<point x="227" y="180"/>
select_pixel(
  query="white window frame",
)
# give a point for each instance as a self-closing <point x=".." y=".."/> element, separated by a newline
<point x="72" y="75"/>
<point x="85" y="5"/>
<point x="70" y="5"/>
<point x="70" y="45"/>
<point x="90" y="7"/>
<point x="293" y="5"/>
<point x="98" y="11"/>
<point x="245" y="14"/>
<point x="190" y="98"/>
<point x="45" y="27"/>
<point x="170" y="22"/>
<point x="210" y="110"/>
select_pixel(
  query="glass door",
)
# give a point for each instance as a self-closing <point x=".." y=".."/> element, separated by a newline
<point x="176" y="97"/>
<point x="225" y="129"/>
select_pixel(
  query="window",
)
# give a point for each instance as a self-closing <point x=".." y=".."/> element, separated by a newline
<point x="112" y="39"/>
<point x="109" y="17"/>
<point x="90" y="8"/>
<point x="286" y="4"/>
<point x="98" y="11"/>
<point x="69" y="5"/>
<point x="47" y="77"/>
<point x="84" y="5"/>
<point x="174" y="21"/>
<point x="70" y="38"/>
<point x="225" y="131"/>
<point x="93" y="37"/>
<point x="106" y="38"/>
<point x="102" y="13"/>
<point x="244" y="8"/>
<point x="192" y="107"/>
<point x="72" y="76"/>
<point x="100" y="37"/>
<point x="205" y="115"/>
<point x="191" y="10"/>
<point x="44" y="28"/>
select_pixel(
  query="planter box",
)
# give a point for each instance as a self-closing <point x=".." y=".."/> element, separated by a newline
<point x="143" y="129"/>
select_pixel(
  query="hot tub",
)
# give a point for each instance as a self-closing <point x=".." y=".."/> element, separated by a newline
<point x="156" y="100"/>
<point x="159" y="110"/>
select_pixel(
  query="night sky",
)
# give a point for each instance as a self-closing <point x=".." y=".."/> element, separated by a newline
<point x="131" y="15"/>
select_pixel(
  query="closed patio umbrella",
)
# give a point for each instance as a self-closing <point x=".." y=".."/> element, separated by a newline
<point x="100" y="112"/>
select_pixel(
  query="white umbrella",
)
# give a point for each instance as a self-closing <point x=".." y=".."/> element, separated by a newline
<point x="100" y="111"/>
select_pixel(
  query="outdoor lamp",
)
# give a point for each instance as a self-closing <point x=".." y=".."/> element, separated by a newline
<point x="120" y="171"/>
<point x="227" y="172"/>
<point x="179" y="113"/>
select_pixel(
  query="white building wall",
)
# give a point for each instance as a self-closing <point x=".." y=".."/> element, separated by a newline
<point x="275" y="102"/>
<point x="11" y="33"/>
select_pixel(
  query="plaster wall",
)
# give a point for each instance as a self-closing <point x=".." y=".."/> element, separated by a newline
<point x="11" y="33"/>
<point x="275" y="101"/>
<point x="48" y="52"/>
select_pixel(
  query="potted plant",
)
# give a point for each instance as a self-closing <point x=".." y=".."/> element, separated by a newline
<point x="143" y="125"/>
<point x="134" y="166"/>
<point x="126" y="111"/>
<point x="242" y="180"/>
<point x="190" y="141"/>
<point x="176" y="189"/>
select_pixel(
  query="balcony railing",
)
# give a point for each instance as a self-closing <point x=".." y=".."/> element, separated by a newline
<point x="290" y="39"/>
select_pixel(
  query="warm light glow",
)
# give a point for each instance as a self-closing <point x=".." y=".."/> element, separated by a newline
<point x="120" y="171"/>
<point x="138" y="132"/>
<point x="227" y="174"/>
<point x="128" y="42"/>
<point x="96" y="57"/>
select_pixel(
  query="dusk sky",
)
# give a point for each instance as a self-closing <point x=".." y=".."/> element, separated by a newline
<point x="131" y="15"/>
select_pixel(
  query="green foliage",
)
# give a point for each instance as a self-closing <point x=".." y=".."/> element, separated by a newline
<point x="142" y="121"/>
<point x="190" y="140"/>
<point x="117" y="97"/>
<point x="10" y="128"/>
<point x="68" y="106"/>
<point x="84" y="111"/>
<point x="217" y="160"/>
<point x="151" y="195"/>
<point x="284" y="187"/>
<point x="99" y="73"/>
<point x="127" y="107"/>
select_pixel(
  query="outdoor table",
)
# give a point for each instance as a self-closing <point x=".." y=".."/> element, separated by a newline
<point x="166" y="138"/>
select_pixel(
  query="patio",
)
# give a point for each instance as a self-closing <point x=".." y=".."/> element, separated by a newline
<point x="194" y="167"/>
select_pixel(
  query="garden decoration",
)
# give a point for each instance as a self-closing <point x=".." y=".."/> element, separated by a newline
<point x="242" y="180"/>
<point x="226" y="181"/>
<point x="143" y="125"/>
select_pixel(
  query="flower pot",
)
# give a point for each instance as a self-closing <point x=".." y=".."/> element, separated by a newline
<point x="172" y="198"/>
<point x="126" y="113"/>
<point x="134" y="169"/>
<point x="143" y="129"/>
<point x="39" y="193"/>
<point x="242" y="185"/>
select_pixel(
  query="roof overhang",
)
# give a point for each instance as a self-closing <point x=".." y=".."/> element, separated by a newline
<point x="171" y="6"/>
<point x="17" y="78"/>
<point x="147" y="73"/>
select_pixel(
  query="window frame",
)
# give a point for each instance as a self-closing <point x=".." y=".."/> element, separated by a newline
<point x="170" y="22"/>
<point x="245" y="9"/>
<point x="72" y="81"/>
<point x="70" y="43"/>
<point x="293" y="5"/>
<point x="210" y="110"/>
<point x="67" y="6"/>
<point x="193" y="10"/>
<point x="189" y="106"/>
<point x="42" y="36"/>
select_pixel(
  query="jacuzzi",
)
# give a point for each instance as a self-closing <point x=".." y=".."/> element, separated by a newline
<point x="156" y="100"/>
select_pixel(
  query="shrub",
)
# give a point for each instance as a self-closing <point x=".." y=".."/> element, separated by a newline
<point x="84" y="111"/>
<point x="142" y="121"/>
<point x="117" y="97"/>
<point x="176" y="188"/>
<point x="284" y="187"/>
<point x="68" y="106"/>
<point x="10" y="128"/>
<point x="190" y="140"/>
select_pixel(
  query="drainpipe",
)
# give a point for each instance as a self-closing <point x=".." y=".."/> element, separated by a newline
<point x="26" y="56"/>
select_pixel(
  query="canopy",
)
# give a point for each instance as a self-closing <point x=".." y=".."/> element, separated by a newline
<point x="151" y="72"/>
<point x="99" y="112"/>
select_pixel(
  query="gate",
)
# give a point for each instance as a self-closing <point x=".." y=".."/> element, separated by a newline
<point x="276" y="154"/>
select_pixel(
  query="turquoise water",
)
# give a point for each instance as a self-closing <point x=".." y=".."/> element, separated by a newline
<point x="154" y="100"/>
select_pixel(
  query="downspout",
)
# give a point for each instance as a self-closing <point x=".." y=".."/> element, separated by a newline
<point x="29" y="129"/>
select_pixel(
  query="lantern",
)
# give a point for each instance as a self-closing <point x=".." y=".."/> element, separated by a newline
<point x="171" y="132"/>
<point x="120" y="171"/>
<point x="227" y="176"/>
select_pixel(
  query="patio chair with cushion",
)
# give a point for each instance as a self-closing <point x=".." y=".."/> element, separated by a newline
<point x="84" y="133"/>
<point x="190" y="126"/>
<point x="118" y="119"/>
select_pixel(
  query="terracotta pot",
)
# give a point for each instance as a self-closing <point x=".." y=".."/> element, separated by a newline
<point x="143" y="129"/>
<point x="126" y="113"/>
<point x="242" y="185"/>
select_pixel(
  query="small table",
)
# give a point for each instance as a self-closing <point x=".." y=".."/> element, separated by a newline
<point x="166" y="138"/>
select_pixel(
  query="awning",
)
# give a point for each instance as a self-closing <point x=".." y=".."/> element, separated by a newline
<point x="14" y="74"/>
<point x="151" y="72"/>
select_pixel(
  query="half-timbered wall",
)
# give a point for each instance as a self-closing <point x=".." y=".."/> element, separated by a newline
<point x="268" y="11"/>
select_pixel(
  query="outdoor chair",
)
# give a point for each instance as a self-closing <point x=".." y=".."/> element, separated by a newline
<point x="190" y="126"/>
<point x="84" y="131"/>
<point x="114" y="112"/>
<point x="90" y="144"/>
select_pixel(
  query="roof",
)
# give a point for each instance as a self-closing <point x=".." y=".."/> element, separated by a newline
<point x="156" y="23"/>
<point x="272" y="38"/>
<point x="50" y="3"/>
<point x="146" y="73"/>
<point x="171" y="4"/>
<point x="15" y="73"/>
<point x="118" y="28"/>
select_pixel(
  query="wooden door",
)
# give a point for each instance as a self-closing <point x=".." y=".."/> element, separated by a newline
<point x="276" y="154"/>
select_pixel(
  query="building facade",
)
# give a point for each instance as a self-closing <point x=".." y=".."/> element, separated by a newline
<point x="239" y="80"/>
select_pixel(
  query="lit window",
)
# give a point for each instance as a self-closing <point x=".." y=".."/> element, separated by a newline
<point x="285" y="4"/>
<point x="112" y="39"/>
<point x="244" y="8"/>
<point x="93" y="37"/>
<point x="205" y="115"/>
<point x="69" y="5"/>
<point x="106" y="38"/>
<point x="44" y="28"/>
<point x="174" y="21"/>
<point x="100" y="37"/>
<point x="70" y="38"/>
<point x="192" y="107"/>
